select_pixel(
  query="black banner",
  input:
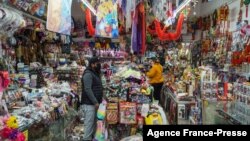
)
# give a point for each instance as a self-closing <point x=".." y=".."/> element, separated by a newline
<point x="164" y="132"/>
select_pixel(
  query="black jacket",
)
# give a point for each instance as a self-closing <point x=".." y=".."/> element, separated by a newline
<point x="92" y="89"/>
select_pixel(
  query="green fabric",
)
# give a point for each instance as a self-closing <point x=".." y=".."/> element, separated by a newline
<point x="246" y="2"/>
<point x="149" y="39"/>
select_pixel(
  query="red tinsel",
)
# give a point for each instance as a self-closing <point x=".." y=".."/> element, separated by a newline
<point x="161" y="33"/>
<point x="90" y="26"/>
<point x="169" y="36"/>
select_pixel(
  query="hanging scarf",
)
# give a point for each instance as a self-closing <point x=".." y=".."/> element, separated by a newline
<point x="128" y="15"/>
<point x="134" y="33"/>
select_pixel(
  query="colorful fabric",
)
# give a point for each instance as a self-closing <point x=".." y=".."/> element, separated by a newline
<point x="59" y="16"/>
<point x="107" y="23"/>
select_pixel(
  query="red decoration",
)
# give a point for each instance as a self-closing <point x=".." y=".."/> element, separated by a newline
<point x="5" y="133"/>
<point x="90" y="26"/>
<point x="169" y="36"/>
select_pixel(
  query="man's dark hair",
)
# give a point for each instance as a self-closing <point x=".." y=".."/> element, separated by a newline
<point x="93" y="61"/>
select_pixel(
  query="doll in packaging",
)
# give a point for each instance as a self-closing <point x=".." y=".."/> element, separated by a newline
<point x="128" y="113"/>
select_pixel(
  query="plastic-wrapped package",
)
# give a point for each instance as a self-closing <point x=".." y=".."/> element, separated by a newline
<point x="128" y="113"/>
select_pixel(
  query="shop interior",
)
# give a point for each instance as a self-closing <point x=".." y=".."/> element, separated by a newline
<point x="203" y="47"/>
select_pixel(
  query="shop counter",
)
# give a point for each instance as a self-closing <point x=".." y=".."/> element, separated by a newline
<point x="177" y="111"/>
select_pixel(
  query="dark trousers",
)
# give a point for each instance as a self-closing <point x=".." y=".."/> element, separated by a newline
<point x="157" y="90"/>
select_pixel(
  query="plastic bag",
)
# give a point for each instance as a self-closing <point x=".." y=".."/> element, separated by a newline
<point x="133" y="138"/>
<point x="101" y="112"/>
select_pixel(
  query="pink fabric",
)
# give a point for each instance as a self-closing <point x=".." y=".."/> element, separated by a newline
<point x="1" y="84"/>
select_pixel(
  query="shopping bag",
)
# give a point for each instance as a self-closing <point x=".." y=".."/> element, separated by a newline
<point x="101" y="112"/>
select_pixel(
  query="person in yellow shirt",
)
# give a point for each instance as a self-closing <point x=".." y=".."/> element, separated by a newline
<point x="155" y="76"/>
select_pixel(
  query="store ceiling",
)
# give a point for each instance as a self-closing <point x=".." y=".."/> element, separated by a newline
<point x="77" y="12"/>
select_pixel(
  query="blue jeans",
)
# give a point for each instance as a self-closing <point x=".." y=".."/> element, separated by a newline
<point x="90" y="120"/>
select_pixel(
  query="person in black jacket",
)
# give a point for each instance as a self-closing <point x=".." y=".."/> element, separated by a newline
<point x="91" y="96"/>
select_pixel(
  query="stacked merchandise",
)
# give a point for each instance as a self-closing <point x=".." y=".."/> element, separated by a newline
<point x="41" y="100"/>
<point x="127" y="106"/>
<point x="180" y="97"/>
<point x="226" y="75"/>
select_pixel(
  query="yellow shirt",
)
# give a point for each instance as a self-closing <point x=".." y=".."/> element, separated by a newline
<point x="155" y="74"/>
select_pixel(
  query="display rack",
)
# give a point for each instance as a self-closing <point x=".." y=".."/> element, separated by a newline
<point x="172" y="105"/>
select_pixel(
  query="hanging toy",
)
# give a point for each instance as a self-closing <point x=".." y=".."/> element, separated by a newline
<point x="246" y="2"/>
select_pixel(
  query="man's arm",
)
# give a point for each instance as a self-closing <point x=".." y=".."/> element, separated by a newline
<point x="88" y="80"/>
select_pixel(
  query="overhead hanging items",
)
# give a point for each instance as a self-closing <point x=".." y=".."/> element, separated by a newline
<point x="59" y="16"/>
<point x="10" y="21"/>
<point x="162" y="35"/>
<point x="90" y="7"/>
<point x="90" y="27"/>
<point x="107" y="20"/>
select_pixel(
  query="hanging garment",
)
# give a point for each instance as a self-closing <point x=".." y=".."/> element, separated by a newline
<point x="128" y="15"/>
<point x="59" y="16"/>
<point x="143" y="19"/>
<point x="134" y="33"/>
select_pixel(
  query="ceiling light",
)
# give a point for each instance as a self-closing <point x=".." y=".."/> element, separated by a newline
<point x="91" y="8"/>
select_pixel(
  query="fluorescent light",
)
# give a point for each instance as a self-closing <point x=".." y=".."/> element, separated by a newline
<point x="184" y="4"/>
<point x="91" y="8"/>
